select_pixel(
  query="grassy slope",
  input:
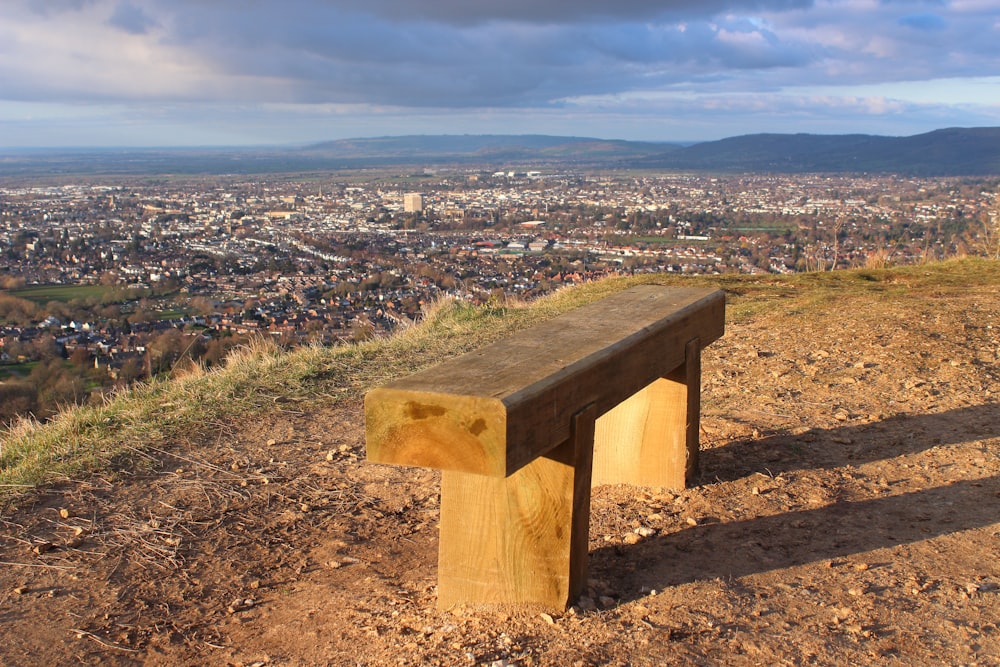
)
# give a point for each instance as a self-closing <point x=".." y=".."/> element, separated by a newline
<point x="263" y="379"/>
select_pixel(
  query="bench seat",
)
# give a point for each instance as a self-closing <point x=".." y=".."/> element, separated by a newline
<point x="521" y="428"/>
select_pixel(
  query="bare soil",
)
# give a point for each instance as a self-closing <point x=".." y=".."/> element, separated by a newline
<point x="847" y="512"/>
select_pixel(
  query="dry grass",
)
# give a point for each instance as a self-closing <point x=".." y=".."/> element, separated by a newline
<point x="261" y="379"/>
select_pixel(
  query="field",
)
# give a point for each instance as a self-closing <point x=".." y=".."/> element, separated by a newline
<point x="8" y="371"/>
<point x="44" y="293"/>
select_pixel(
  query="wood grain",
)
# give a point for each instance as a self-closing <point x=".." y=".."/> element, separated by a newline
<point x="496" y="409"/>
<point x="651" y="438"/>
<point x="520" y="539"/>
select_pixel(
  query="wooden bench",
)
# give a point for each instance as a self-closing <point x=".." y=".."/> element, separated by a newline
<point x="522" y="428"/>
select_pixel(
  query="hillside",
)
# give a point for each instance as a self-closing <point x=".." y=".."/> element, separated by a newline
<point x="947" y="152"/>
<point x="847" y="511"/>
<point x="486" y="148"/>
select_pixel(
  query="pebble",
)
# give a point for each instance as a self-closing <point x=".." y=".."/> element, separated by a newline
<point x="43" y="547"/>
<point x="691" y="521"/>
<point x="241" y="604"/>
<point x="547" y="618"/>
<point x="644" y="531"/>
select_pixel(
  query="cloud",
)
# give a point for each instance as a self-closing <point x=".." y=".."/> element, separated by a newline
<point x="475" y="58"/>
<point x="466" y="12"/>
<point x="132" y="19"/>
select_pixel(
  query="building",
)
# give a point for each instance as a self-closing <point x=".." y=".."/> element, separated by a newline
<point x="413" y="203"/>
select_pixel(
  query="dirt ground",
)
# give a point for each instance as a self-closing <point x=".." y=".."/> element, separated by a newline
<point x="847" y="512"/>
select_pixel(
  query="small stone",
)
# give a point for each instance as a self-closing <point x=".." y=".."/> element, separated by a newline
<point x="606" y="602"/>
<point x="644" y="531"/>
<point x="691" y="521"/>
<point x="861" y="567"/>
<point x="547" y="618"/>
<point x="755" y="491"/>
<point x="241" y="604"/>
<point x="305" y="507"/>
<point x="631" y="538"/>
<point x="272" y="442"/>
<point x="330" y="455"/>
<point x="65" y="513"/>
<point x="20" y="590"/>
<point x="43" y="547"/>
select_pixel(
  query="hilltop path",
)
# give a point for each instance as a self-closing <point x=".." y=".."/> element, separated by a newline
<point x="848" y="512"/>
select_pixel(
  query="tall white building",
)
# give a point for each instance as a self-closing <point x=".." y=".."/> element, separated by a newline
<point x="413" y="203"/>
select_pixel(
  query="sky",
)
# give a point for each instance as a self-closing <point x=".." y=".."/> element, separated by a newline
<point x="80" y="73"/>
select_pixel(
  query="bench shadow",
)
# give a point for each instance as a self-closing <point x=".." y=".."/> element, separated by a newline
<point x="739" y="548"/>
<point x="835" y="531"/>
<point x="848" y="445"/>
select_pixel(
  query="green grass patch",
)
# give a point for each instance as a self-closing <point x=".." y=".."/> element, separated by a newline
<point x="65" y="293"/>
<point x="16" y="371"/>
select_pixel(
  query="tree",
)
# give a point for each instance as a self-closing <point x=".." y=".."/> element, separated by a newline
<point x="17" y="399"/>
<point x="989" y="235"/>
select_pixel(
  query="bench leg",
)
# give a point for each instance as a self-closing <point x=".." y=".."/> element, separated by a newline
<point x="520" y="539"/>
<point x="651" y="439"/>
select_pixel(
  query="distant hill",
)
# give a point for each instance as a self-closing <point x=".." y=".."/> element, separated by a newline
<point x="948" y="152"/>
<point x="487" y="147"/>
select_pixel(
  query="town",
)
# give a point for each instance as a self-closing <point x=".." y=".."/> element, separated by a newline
<point x="103" y="283"/>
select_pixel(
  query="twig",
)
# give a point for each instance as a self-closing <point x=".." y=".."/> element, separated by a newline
<point x="42" y="565"/>
<point x="192" y="461"/>
<point x="84" y="633"/>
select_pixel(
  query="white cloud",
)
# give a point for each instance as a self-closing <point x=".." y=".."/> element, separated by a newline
<point x="400" y="60"/>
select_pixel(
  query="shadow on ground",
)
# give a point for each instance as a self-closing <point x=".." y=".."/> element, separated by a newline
<point x="837" y="530"/>
<point x="850" y="445"/>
